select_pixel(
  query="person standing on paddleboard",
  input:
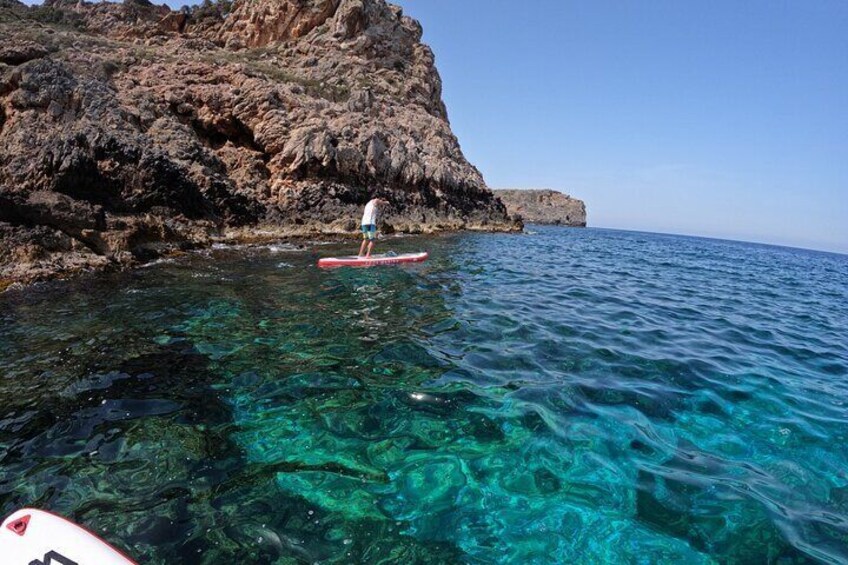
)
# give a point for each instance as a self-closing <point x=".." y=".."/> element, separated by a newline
<point x="369" y="225"/>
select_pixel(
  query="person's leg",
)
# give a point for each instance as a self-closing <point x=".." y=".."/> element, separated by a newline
<point x="372" y="235"/>
<point x="365" y="238"/>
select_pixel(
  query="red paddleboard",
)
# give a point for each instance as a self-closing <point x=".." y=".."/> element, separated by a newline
<point x="373" y="261"/>
<point x="32" y="536"/>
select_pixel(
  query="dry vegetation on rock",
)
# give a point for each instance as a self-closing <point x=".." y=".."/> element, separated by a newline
<point x="128" y="131"/>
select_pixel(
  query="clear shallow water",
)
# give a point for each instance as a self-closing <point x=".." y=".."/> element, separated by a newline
<point x="641" y="398"/>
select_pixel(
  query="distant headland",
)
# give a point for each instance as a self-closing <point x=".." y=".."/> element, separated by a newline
<point x="544" y="207"/>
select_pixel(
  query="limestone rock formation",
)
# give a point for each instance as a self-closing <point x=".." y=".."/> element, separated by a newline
<point x="128" y="130"/>
<point x="544" y="207"/>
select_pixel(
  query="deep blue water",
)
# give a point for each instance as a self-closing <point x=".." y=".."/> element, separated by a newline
<point x="562" y="396"/>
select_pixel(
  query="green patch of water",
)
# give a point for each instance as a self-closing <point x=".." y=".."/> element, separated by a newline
<point x="637" y="403"/>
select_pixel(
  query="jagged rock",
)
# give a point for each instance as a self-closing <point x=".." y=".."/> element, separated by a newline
<point x="351" y="19"/>
<point x="21" y="52"/>
<point x="155" y="130"/>
<point x="173" y="22"/>
<point x="61" y="212"/>
<point x="544" y="207"/>
<point x="255" y="24"/>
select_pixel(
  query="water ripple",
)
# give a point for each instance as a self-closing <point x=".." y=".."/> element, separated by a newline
<point x="642" y="398"/>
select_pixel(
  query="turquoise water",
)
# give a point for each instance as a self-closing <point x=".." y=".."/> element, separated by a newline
<point x="569" y="396"/>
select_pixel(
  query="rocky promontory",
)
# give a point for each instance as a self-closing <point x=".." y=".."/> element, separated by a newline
<point x="544" y="207"/>
<point x="129" y="131"/>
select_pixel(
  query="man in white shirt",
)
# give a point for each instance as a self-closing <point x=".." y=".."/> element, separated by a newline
<point x="369" y="225"/>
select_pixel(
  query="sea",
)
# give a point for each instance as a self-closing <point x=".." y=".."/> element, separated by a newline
<point x="558" y="396"/>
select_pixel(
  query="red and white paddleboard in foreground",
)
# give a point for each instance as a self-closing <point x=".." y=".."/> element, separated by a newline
<point x="36" y="537"/>
<point x="373" y="261"/>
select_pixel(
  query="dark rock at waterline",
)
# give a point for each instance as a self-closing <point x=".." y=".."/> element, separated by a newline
<point x="160" y="130"/>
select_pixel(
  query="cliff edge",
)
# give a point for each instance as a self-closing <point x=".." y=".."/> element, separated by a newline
<point x="129" y="131"/>
<point x="544" y="207"/>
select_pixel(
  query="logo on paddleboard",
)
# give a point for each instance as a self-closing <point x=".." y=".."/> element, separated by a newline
<point x="53" y="558"/>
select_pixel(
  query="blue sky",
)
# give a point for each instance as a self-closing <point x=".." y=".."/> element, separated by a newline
<point x="722" y="118"/>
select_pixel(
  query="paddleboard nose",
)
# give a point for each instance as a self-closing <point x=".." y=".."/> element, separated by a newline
<point x="37" y="537"/>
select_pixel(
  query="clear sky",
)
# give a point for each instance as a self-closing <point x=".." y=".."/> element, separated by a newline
<point x="724" y="118"/>
<point x="721" y="118"/>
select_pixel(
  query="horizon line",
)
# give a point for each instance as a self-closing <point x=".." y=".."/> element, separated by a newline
<point x="711" y="237"/>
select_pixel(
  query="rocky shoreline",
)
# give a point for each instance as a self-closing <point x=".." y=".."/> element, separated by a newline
<point x="544" y="207"/>
<point x="129" y="131"/>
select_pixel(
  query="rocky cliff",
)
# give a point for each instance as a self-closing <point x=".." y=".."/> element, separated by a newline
<point x="128" y="131"/>
<point x="544" y="207"/>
